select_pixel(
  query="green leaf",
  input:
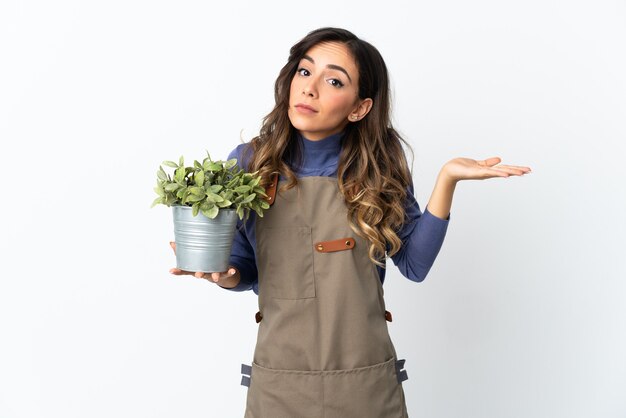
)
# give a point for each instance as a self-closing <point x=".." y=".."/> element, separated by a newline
<point x="227" y="194"/>
<point x="156" y="201"/>
<point x="181" y="161"/>
<point x="161" y="174"/>
<point x="186" y="194"/>
<point x="211" y="213"/>
<point x="194" y="198"/>
<point x="159" y="190"/>
<point x="215" y="197"/>
<point x="197" y="191"/>
<point x="224" y="204"/>
<point x="199" y="178"/>
<point x="216" y="188"/>
<point x="195" y="209"/>
<point x="232" y="183"/>
<point x="259" y="190"/>
<point x="264" y="205"/>
<point x="214" y="167"/>
<point x="170" y="164"/>
<point x="171" y="187"/>
<point x="242" y="189"/>
<point x="230" y="163"/>
<point x="179" y="175"/>
<point x="196" y="164"/>
<point x="240" y="212"/>
<point x="249" y="198"/>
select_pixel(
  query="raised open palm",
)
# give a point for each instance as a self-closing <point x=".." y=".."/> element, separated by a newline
<point x="468" y="169"/>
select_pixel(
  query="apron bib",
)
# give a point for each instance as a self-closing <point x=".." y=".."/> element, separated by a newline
<point x="323" y="348"/>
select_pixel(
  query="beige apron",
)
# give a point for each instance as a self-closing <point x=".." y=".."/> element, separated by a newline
<point x="323" y="348"/>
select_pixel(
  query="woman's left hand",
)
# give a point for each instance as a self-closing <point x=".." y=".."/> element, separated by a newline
<point x="468" y="169"/>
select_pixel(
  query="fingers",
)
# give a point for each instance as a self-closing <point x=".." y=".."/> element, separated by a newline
<point x="501" y="171"/>
<point x="505" y="170"/>
<point x="490" y="162"/>
<point x="513" y="170"/>
<point x="216" y="277"/>
<point x="178" y="272"/>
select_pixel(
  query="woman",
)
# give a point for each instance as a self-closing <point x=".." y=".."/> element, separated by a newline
<point x="316" y="258"/>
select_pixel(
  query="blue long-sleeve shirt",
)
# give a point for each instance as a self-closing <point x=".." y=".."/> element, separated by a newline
<point x="422" y="235"/>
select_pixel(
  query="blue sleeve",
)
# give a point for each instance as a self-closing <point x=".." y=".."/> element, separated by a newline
<point x="242" y="254"/>
<point x="422" y="237"/>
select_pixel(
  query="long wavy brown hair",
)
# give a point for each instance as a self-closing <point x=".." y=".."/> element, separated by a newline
<point x="373" y="174"/>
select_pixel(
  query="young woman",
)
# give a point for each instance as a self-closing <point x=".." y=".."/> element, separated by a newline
<point x="316" y="258"/>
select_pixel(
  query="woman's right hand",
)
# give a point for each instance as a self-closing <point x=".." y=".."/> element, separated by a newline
<point x="227" y="279"/>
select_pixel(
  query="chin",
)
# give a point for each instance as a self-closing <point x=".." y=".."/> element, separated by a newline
<point x="299" y="124"/>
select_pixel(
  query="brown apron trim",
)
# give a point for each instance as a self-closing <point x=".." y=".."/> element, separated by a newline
<point x="388" y="316"/>
<point x="258" y="317"/>
<point x="335" y="245"/>
<point x="270" y="190"/>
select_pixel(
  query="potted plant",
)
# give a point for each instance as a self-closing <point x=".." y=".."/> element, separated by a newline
<point x="206" y="200"/>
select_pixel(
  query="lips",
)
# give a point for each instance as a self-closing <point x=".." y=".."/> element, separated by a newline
<point x="304" y="108"/>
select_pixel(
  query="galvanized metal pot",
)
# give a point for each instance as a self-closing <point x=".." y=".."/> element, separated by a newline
<point x="203" y="244"/>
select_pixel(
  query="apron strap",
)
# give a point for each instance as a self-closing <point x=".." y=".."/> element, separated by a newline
<point x="246" y="370"/>
<point x="335" y="245"/>
<point x="270" y="191"/>
<point x="401" y="374"/>
<point x="388" y="316"/>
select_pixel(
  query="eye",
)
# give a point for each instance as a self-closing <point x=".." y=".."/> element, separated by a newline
<point x="335" y="82"/>
<point x="303" y="71"/>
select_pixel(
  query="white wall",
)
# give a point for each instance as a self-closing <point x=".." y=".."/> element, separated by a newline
<point x="522" y="314"/>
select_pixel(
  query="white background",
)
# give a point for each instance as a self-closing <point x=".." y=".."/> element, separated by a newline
<point x="522" y="314"/>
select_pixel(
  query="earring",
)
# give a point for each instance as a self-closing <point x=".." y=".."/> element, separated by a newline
<point x="353" y="118"/>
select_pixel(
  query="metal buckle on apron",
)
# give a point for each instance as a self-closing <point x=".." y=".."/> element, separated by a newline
<point x="401" y="374"/>
<point x="246" y="370"/>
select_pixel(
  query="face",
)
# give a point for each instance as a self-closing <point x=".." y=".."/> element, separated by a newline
<point x="323" y="97"/>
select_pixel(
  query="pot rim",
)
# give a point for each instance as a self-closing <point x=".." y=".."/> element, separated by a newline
<point x="189" y="207"/>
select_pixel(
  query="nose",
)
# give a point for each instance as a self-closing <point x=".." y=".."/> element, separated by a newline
<point x="309" y="89"/>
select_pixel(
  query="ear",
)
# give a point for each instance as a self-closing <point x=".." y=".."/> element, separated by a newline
<point x="361" y="110"/>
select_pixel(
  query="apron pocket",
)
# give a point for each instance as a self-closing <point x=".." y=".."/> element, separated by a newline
<point x="284" y="394"/>
<point x="285" y="254"/>
<point x="364" y="392"/>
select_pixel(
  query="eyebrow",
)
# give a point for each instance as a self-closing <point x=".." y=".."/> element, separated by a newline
<point x="331" y="66"/>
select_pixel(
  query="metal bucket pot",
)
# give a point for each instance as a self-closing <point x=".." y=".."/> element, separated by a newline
<point x="203" y="244"/>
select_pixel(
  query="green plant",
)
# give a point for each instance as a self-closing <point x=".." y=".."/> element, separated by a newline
<point x="211" y="186"/>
